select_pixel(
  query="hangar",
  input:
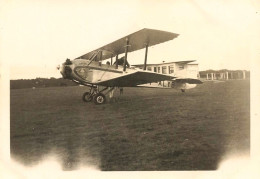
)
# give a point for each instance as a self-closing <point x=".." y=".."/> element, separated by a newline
<point x="177" y="69"/>
<point x="180" y="69"/>
<point x="224" y="74"/>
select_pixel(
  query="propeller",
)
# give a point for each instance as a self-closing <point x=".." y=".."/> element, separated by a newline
<point x="58" y="67"/>
<point x="65" y="69"/>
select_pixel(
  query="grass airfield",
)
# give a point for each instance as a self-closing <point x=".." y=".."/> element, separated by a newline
<point x="144" y="129"/>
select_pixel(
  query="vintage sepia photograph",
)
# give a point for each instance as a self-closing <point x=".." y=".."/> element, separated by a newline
<point x="128" y="85"/>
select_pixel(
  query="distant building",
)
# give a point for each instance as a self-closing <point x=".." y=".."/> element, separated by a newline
<point x="224" y="74"/>
<point x="180" y="69"/>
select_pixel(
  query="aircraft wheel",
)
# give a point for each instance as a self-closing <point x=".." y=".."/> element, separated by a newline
<point x="183" y="90"/>
<point x="99" y="98"/>
<point x="87" y="97"/>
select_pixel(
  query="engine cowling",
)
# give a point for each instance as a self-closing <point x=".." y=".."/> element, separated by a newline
<point x="66" y="70"/>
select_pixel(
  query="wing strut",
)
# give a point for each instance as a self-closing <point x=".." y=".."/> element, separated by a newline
<point x="145" y="57"/>
<point x="126" y="51"/>
<point x="111" y="60"/>
<point x="101" y="54"/>
<point x="117" y="61"/>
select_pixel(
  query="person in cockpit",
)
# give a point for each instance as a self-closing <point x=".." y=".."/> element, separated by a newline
<point x="120" y="61"/>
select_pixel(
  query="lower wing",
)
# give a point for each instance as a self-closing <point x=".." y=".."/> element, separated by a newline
<point x="179" y="83"/>
<point x="188" y="80"/>
<point x="135" y="79"/>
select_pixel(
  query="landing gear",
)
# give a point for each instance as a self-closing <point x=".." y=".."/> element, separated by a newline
<point x="183" y="90"/>
<point x="87" y="97"/>
<point x="99" y="98"/>
<point x="94" y="94"/>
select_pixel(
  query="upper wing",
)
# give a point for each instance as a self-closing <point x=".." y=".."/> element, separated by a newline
<point x="134" y="79"/>
<point x="188" y="80"/>
<point x="137" y="41"/>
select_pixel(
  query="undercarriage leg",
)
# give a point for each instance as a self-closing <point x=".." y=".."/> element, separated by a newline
<point x="111" y="92"/>
<point x="97" y="96"/>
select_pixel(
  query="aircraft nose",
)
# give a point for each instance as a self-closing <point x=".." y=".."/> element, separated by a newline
<point x="62" y="70"/>
<point x="65" y="71"/>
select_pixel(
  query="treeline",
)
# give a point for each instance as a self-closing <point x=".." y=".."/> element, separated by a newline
<point x="40" y="83"/>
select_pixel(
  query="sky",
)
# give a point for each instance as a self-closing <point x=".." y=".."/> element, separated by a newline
<point x="36" y="36"/>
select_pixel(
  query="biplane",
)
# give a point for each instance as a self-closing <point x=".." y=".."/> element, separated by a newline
<point x="88" y="69"/>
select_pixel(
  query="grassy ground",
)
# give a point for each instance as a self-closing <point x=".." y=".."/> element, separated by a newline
<point x="146" y="129"/>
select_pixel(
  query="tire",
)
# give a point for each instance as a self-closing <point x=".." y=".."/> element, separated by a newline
<point x="87" y="97"/>
<point x="99" y="98"/>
